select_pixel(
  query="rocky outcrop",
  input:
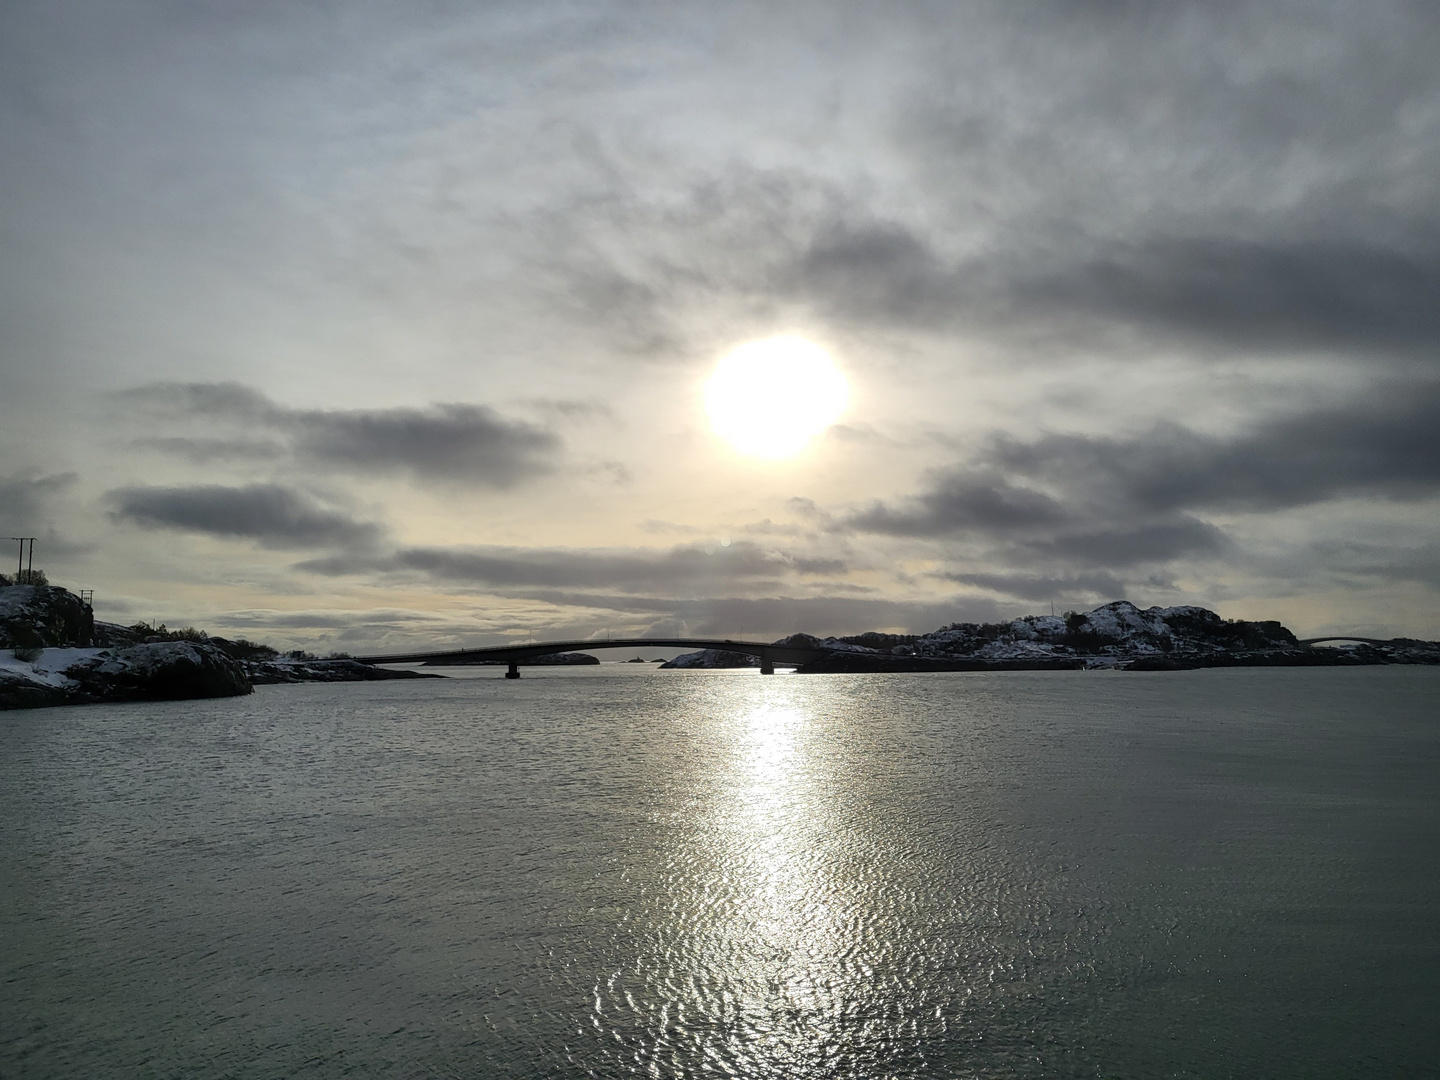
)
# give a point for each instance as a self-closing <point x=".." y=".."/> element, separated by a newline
<point x="160" y="671"/>
<point x="270" y="672"/>
<point x="712" y="658"/>
<point x="44" y="616"/>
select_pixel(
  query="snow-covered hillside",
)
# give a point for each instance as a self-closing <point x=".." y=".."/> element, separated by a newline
<point x="1115" y="631"/>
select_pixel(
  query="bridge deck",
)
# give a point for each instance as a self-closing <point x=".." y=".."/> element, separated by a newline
<point x="1342" y="637"/>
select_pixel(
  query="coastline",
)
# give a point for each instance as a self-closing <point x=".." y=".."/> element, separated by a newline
<point x="53" y="652"/>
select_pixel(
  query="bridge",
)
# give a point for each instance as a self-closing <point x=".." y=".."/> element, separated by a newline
<point x="514" y="655"/>
<point x="1342" y="637"/>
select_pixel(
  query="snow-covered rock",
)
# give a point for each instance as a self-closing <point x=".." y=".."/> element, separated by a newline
<point x="713" y="658"/>
<point x="37" y="616"/>
<point x="161" y="671"/>
<point x="1116" y="629"/>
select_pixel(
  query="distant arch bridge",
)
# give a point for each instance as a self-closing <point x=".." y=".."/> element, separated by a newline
<point x="515" y="655"/>
<point x="1342" y="637"/>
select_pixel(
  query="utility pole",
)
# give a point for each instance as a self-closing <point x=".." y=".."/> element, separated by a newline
<point x="20" y="574"/>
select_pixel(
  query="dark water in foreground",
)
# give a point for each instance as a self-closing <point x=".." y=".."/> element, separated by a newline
<point x="618" y="872"/>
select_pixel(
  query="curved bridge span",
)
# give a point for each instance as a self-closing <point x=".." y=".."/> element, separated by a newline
<point x="514" y="655"/>
<point x="1342" y="637"/>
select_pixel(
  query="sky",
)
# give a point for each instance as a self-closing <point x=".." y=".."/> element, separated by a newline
<point x="372" y="326"/>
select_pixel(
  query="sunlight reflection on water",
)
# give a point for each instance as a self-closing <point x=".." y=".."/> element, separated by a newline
<point x="784" y="923"/>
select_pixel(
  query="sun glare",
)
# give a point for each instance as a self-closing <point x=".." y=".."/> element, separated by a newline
<point x="770" y="398"/>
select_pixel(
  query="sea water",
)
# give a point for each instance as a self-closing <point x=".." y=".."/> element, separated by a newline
<point x="618" y="871"/>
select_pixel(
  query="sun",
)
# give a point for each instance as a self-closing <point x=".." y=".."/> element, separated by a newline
<point x="770" y="398"/>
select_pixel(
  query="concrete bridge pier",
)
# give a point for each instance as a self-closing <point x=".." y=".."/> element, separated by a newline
<point x="767" y="666"/>
<point x="514" y="672"/>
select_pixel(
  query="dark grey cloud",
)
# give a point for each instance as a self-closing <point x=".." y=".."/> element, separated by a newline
<point x="1385" y="445"/>
<point x="272" y="515"/>
<point x="31" y="504"/>
<point x="1126" y="546"/>
<point x="963" y="501"/>
<point x="877" y="272"/>
<point x="27" y="498"/>
<point x="1321" y="276"/>
<point x="1075" y="512"/>
<point x="227" y="401"/>
<point x="1256" y="292"/>
<point x="202" y="451"/>
<point x="1044" y="587"/>
<point x="1259" y="179"/>
<point x="458" y="443"/>
<point x="451" y="442"/>
<point x="1263" y="290"/>
<point x="1359" y="564"/>
<point x="688" y="569"/>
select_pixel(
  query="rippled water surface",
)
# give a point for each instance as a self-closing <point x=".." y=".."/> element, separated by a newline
<point x="618" y="871"/>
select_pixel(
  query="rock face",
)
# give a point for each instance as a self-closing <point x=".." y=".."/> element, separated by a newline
<point x="161" y="671"/>
<point x="1115" y="630"/>
<point x="270" y="672"/>
<point x="712" y="658"/>
<point x="43" y="616"/>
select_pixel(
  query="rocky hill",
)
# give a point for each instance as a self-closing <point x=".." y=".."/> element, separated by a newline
<point x="1114" y="635"/>
<point x="158" y="671"/>
<point x="713" y="658"/>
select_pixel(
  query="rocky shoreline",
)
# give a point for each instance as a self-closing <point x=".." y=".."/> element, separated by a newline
<point x="1114" y="636"/>
<point x="54" y="652"/>
<point x="159" y="671"/>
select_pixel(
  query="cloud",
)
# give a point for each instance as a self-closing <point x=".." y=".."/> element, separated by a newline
<point x="28" y="503"/>
<point x="1127" y="546"/>
<point x="1118" y="502"/>
<point x="1256" y="291"/>
<point x="1259" y="290"/>
<point x="460" y="443"/>
<point x="272" y="515"/>
<point x="876" y="271"/>
<point x="687" y="568"/>
<point x="963" y="501"/>
<point x="26" y="497"/>
<point x="201" y="451"/>
<point x="687" y="588"/>
<point x="1387" y="445"/>
<point x="330" y="618"/>
<point x="220" y="400"/>
<point x="1042" y="587"/>
<point x="451" y="442"/>
<point x="1249" y="179"/>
